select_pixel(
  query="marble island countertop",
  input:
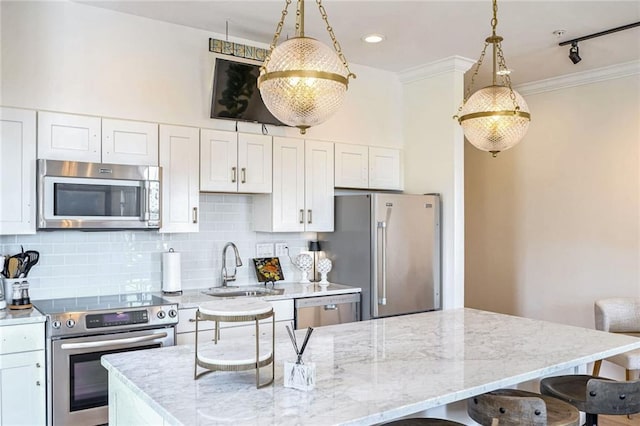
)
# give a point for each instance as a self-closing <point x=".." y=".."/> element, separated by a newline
<point x="370" y="371"/>
<point x="290" y="290"/>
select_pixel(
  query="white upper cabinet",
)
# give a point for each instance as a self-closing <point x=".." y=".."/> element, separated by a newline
<point x="69" y="137"/>
<point x="235" y="162"/>
<point x="17" y="171"/>
<point x="364" y="167"/>
<point x="384" y="168"/>
<point x="129" y="142"/>
<point x="72" y="137"/>
<point x="352" y="166"/>
<point x="302" y="197"/>
<point x="179" y="151"/>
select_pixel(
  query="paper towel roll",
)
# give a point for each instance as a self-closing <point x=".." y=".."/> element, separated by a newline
<point x="171" y="279"/>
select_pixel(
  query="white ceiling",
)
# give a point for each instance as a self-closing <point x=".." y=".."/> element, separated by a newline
<point x="419" y="32"/>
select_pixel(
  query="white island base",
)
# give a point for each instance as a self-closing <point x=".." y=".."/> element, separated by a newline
<point x="367" y="372"/>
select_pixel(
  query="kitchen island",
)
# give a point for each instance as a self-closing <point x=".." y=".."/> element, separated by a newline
<point x="367" y="372"/>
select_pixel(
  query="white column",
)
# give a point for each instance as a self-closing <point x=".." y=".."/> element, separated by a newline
<point x="434" y="156"/>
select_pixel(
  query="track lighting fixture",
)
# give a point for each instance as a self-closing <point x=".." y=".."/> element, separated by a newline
<point x="574" y="53"/>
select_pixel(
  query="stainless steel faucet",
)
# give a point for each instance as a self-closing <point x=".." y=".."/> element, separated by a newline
<point x="225" y="277"/>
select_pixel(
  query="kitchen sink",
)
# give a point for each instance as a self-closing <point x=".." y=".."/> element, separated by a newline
<point x="243" y="291"/>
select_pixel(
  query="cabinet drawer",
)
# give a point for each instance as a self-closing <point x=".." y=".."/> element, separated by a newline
<point x="21" y="338"/>
<point x="283" y="310"/>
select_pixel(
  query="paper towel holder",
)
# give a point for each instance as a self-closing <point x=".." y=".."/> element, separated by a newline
<point x="171" y="280"/>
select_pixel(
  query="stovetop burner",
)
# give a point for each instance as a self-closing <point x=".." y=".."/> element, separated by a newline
<point x="98" y="303"/>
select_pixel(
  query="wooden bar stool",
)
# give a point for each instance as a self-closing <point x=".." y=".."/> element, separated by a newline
<point x="594" y="395"/>
<point x="420" y="421"/>
<point x="236" y="310"/>
<point x="512" y="407"/>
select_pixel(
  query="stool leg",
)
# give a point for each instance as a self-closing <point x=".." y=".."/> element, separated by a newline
<point x="596" y="367"/>
<point x="592" y="420"/>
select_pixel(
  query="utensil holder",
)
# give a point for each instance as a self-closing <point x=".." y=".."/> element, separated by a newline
<point x="299" y="376"/>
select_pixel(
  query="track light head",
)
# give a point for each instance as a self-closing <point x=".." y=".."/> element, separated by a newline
<point x="574" y="53"/>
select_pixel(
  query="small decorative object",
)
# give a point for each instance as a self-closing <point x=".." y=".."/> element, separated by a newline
<point x="324" y="266"/>
<point x="304" y="262"/>
<point x="298" y="375"/>
<point x="268" y="269"/>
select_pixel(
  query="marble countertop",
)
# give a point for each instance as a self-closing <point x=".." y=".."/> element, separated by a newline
<point x="193" y="298"/>
<point x="17" y="317"/>
<point x="370" y="371"/>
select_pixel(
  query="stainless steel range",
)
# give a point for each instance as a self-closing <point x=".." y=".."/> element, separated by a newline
<point x="79" y="331"/>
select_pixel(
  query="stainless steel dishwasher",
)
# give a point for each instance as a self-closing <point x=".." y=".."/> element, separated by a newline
<point x="327" y="310"/>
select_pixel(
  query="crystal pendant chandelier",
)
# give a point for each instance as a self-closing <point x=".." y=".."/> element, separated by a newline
<point x="303" y="82"/>
<point x="495" y="118"/>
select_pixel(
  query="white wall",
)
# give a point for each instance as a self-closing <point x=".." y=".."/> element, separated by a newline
<point x="71" y="57"/>
<point x="554" y="223"/>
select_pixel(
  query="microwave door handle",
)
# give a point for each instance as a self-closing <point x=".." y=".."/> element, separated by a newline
<point x="114" y="342"/>
<point x="145" y="202"/>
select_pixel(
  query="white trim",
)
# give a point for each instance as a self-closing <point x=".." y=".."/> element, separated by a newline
<point x="579" y="78"/>
<point x="441" y="66"/>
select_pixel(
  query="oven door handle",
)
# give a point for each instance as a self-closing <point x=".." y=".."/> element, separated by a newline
<point x="113" y="342"/>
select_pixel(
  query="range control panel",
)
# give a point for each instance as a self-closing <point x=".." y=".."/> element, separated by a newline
<point x="76" y="323"/>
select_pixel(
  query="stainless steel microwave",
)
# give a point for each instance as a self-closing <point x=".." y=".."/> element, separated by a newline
<point x="96" y="196"/>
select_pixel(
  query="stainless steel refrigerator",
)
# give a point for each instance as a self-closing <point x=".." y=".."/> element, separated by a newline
<point x="388" y="245"/>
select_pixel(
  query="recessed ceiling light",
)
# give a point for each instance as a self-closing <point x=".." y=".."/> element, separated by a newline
<point x="373" y="38"/>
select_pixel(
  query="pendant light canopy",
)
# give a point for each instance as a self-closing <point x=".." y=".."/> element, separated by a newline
<point x="303" y="81"/>
<point x="495" y="118"/>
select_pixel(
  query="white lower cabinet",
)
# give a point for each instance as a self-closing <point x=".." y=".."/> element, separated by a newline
<point x="283" y="310"/>
<point x="17" y="171"/>
<point x="179" y="155"/>
<point x="126" y="408"/>
<point x="22" y="375"/>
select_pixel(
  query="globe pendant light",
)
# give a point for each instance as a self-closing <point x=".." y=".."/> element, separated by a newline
<point x="495" y="118"/>
<point x="303" y="81"/>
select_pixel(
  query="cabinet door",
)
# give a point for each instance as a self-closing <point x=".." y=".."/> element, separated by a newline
<point x="179" y="150"/>
<point x="288" y="185"/>
<point x="351" y="166"/>
<point x="254" y="162"/>
<point x="22" y="389"/>
<point x="319" y="187"/>
<point x="129" y="142"/>
<point x="68" y="137"/>
<point x="218" y="161"/>
<point x="17" y="171"/>
<point x="384" y="168"/>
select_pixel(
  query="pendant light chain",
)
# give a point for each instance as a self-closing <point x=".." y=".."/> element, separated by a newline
<point x="336" y="44"/>
<point x="276" y="36"/>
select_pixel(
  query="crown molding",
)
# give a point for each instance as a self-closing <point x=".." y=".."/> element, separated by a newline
<point x="580" y="78"/>
<point x="441" y="66"/>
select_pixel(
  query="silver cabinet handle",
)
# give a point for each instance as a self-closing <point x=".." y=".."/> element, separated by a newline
<point x="301" y="215"/>
<point x="37" y="382"/>
<point x="309" y="218"/>
<point x="331" y="307"/>
<point x="192" y="320"/>
<point x="37" y="365"/>
<point x="383" y="242"/>
<point x="233" y="175"/>
<point x="243" y="172"/>
<point x="195" y="215"/>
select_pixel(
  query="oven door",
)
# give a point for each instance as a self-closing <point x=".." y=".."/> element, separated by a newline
<point x="79" y="385"/>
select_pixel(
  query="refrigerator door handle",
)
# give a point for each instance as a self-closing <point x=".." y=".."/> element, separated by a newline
<point x="383" y="243"/>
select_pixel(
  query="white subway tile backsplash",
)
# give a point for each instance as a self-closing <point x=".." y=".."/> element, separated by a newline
<point x="75" y="263"/>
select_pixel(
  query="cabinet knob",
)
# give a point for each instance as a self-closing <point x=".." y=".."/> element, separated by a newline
<point x="37" y="365"/>
<point x="37" y="382"/>
<point x="192" y="320"/>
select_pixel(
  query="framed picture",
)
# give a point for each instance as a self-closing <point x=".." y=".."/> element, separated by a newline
<point x="268" y="269"/>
